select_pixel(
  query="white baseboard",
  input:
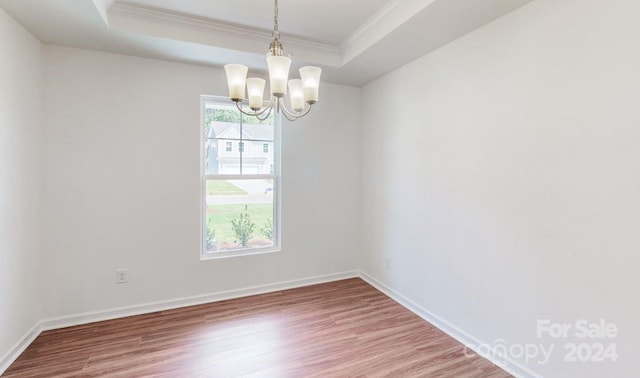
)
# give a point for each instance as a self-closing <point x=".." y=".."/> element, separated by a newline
<point x="512" y="367"/>
<point x="90" y="317"/>
<point x="19" y="347"/>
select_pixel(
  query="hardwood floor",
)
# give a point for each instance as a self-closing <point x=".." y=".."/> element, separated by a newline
<point x="338" y="329"/>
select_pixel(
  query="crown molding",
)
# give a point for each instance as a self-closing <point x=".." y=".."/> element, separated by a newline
<point x="103" y="7"/>
<point x="159" y="22"/>
<point x="386" y="20"/>
<point x="179" y="26"/>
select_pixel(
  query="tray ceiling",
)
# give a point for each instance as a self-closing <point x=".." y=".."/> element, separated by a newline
<point x="355" y="42"/>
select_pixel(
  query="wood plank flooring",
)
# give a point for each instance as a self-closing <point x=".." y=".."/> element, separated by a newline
<point x="339" y="329"/>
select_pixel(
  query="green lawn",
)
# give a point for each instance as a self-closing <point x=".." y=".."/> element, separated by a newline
<point x="219" y="218"/>
<point x="220" y="187"/>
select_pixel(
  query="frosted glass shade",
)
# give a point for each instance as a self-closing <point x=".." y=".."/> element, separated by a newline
<point x="236" y="77"/>
<point x="278" y="74"/>
<point x="310" y="76"/>
<point x="296" y="95"/>
<point x="255" y="90"/>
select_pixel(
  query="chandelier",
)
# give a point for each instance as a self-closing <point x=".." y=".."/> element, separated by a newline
<point x="301" y="91"/>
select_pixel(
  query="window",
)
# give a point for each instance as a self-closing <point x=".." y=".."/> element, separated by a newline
<point x="240" y="213"/>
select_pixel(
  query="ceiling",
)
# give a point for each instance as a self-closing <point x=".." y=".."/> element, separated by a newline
<point x="311" y="20"/>
<point x="354" y="42"/>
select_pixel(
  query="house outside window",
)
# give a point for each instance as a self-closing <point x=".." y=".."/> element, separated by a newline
<point x="240" y="209"/>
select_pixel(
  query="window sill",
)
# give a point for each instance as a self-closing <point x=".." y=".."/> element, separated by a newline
<point x="238" y="253"/>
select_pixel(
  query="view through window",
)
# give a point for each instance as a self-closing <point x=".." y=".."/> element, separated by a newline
<point x="240" y="182"/>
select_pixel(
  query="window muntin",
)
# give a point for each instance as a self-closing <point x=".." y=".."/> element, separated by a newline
<point x="240" y="187"/>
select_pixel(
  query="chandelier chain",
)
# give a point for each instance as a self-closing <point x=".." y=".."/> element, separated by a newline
<point x="276" y="33"/>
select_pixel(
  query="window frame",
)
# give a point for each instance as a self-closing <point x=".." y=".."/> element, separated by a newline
<point x="275" y="176"/>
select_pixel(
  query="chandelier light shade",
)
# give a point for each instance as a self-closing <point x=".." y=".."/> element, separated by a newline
<point x="278" y="74"/>
<point x="236" y="77"/>
<point x="255" y="88"/>
<point x="301" y="91"/>
<point x="296" y="94"/>
<point x="311" y="83"/>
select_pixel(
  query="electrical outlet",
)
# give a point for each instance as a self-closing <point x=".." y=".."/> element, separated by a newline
<point x="387" y="262"/>
<point x="121" y="276"/>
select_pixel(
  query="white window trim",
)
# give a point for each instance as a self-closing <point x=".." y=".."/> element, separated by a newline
<point x="276" y="176"/>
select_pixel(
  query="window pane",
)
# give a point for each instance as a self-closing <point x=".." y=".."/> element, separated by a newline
<point x="231" y="131"/>
<point x="257" y="157"/>
<point x="254" y="160"/>
<point x="257" y="131"/>
<point x="239" y="214"/>
<point x="226" y="112"/>
<point x="219" y="160"/>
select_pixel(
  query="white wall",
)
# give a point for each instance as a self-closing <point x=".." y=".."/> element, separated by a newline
<point x="501" y="177"/>
<point x="20" y="182"/>
<point x="123" y="189"/>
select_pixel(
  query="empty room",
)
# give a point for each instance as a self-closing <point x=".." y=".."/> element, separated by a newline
<point x="295" y="188"/>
